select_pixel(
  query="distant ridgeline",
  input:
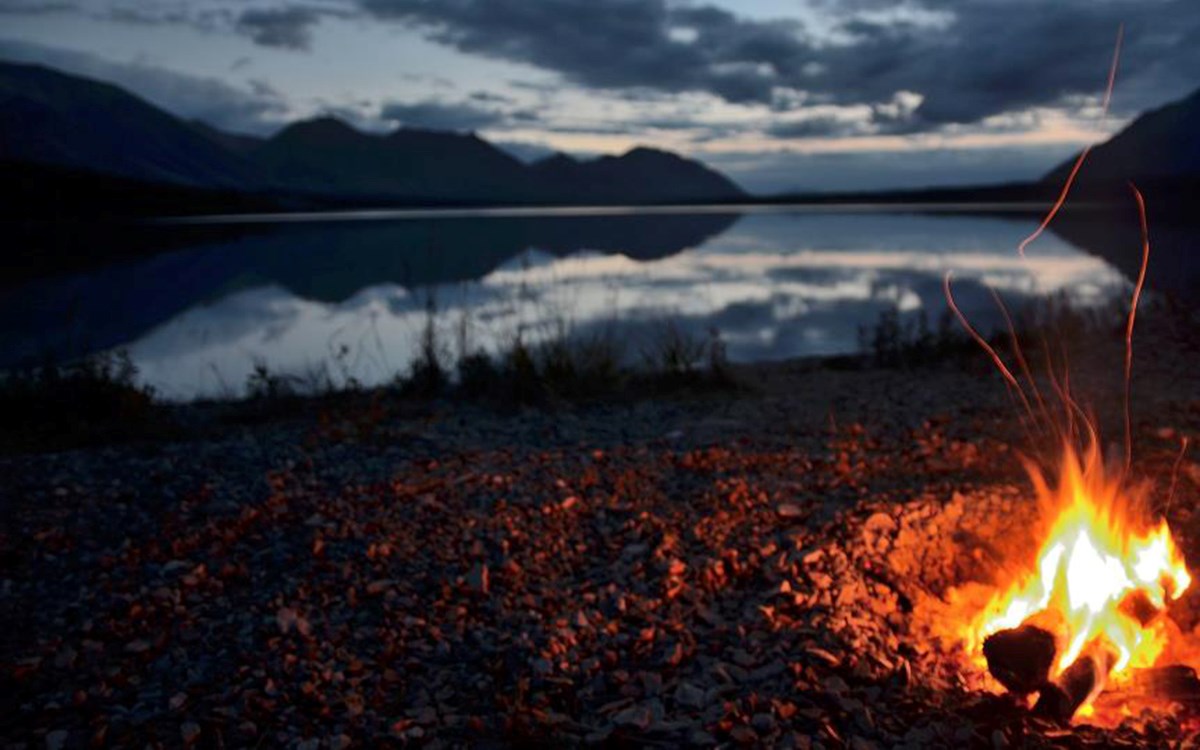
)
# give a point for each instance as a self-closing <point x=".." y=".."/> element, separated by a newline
<point x="70" y="144"/>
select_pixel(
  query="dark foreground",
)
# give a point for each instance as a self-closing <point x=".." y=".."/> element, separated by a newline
<point x="731" y="568"/>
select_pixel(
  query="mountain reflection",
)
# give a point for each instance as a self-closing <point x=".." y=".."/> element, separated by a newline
<point x="351" y="298"/>
<point x="327" y="262"/>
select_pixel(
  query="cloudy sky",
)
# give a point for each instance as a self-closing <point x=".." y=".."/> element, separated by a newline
<point x="780" y="94"/>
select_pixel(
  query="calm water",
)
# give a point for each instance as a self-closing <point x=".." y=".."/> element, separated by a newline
<point x="349" y="299"/>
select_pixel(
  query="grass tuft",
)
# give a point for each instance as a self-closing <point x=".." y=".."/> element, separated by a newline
<point x="94" y="400"/>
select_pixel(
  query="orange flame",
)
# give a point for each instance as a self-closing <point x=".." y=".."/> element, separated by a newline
<point x="1101" y="575"/>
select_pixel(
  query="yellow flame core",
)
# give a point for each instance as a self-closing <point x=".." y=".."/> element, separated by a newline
<point x="1101" y="577"/>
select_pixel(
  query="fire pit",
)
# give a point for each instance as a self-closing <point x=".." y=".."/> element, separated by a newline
<point x="1091" y="610"/>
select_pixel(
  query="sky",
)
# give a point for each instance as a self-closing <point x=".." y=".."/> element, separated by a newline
<point x="781" y="95"/>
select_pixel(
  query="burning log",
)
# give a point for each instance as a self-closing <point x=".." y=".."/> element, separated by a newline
<point x="1103" y="577"/>
<point x="1175" y="682"/>
<point x="1021" y="658"/>
<point x="1156" y="686"/>
<point x="1079" y="683"/>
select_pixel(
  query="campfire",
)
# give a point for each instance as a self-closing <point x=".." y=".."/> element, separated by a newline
<point x="1091" y="609"/>
<point x="1088" y="612"/>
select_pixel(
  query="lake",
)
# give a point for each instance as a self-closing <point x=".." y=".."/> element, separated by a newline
<point x="349" y="297"/>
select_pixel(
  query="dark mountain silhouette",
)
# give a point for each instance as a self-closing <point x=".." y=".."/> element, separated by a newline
<point x="328" y="156"/>
<point x="238" y="143"/>
<point x="1161" y="144"/>
<point x="643" y="175"/>
<point x="558" y="167"/>
<point x="53" y="119"/>
<point x="51" y="122"/>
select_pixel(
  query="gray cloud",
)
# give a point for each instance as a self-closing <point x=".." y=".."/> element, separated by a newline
<point x="538" y="87"/>
<point x="980" y="59"/>
<point x="192" y="97"/>
<point x="286" y="27"/>
<point x="1003" y="56"/>
<point x="436" y="81"/>
<point x="488" y="97"/>
<point x="811" y="127"/>
<point x="150" y="15"/>
<point x="282" y="26"/>
<point x="969" y="60"/>
<point x="36" y="7"/>
<point x="613" y="43"/>
<point x="438" y="115"/>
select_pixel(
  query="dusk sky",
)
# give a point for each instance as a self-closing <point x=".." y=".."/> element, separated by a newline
<point x="779" y="94"/>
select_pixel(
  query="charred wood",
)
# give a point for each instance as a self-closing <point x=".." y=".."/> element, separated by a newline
<point x="1154" y="687"/>
<point x="1021" y="658"/>
<point x="1078" y="684"/>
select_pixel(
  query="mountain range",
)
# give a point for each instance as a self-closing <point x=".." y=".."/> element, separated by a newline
<point x="92" y="130"/>
<point x="73" y="146"/>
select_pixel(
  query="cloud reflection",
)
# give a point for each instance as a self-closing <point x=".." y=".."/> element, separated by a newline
<point x="774" y="289"/>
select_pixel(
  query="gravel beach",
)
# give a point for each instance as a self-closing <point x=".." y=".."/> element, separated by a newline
<point x="735" y="567"/>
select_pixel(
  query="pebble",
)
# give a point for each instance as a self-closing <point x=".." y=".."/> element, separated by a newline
<point x="189" y="732"/>
<point x="57" y="739"/>
<point x="789" y="510"/>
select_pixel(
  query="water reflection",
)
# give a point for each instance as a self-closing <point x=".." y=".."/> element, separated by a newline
<point x="350" y="300"/>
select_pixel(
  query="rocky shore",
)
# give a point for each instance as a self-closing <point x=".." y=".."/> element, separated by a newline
<point x="729" y="567"/>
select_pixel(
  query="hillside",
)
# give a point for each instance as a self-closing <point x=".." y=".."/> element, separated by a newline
<point x="85" y="132"/>
<point x="1161" y="144"/>
<point x="328" y="156"/>
<point x="640" y="175"/>
<point x="53" y="119"/>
